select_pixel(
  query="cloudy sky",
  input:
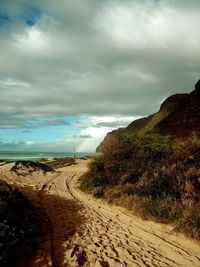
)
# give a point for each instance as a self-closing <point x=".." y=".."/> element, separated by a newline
<point x="72" y="70"/>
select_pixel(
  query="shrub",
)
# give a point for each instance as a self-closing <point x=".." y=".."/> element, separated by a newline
<point x="95" y="179"/>
<point x="189" y="223"/>
<point x="156" y="176"/>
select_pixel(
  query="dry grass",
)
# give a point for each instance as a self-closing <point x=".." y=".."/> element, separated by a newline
<point x="157" y="177"/>
<point x="60" y="162"/>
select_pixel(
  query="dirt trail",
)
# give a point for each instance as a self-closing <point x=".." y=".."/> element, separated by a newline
<point x="87" y="232"/>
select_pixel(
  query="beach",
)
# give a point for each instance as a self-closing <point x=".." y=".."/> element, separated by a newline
<point x="84" y="231"/>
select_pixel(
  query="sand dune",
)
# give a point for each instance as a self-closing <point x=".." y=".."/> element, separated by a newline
<point x="83" y="231"/>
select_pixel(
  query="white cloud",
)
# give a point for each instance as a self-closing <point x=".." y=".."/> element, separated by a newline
<point x="29" y="143"/>
<point x="99" y="119"/>
<point x="13" y="83"/>
<point x="33" y="40"/>
<point x="135" y="25"/>
<point x="112" y="61"/>
<point x="97" y="129"/>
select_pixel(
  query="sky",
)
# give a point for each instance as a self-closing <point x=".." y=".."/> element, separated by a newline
<point x="73" y="70"/>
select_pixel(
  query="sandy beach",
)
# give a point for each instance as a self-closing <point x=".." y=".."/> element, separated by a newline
<point x="83" y="231"/>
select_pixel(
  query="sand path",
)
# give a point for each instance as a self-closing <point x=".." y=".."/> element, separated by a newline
<point x="87" y="232"/>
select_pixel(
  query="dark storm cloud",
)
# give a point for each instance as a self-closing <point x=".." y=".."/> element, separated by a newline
<point x="81" y="136"/>
<point x="103" y="57"/>
<point x="55" y="121"/>
<point x="46" y="123"/>
<point x="12" y="145"/>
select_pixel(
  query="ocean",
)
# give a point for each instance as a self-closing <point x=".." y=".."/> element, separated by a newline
<point x="35" y="156"/>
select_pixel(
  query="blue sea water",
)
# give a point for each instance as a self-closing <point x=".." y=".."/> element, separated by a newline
<point x="34" y="156"/>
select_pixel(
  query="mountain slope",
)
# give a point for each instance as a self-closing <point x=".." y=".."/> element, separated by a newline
<point x="179" y="115"/>
<point x="170" y="105"/>
<point x="184" y="120"/>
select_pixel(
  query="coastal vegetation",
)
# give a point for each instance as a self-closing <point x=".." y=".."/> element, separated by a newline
<point x="60" y="162"/>
<point x="24" y="167"/>
<point x="157" y="177"/>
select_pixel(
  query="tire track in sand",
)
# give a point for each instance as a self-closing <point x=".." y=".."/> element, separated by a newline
<point x="87" y="232"/>
<point x="111" y="238"/>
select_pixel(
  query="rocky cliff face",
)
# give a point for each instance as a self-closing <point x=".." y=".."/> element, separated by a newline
<point x="179" y="115"/>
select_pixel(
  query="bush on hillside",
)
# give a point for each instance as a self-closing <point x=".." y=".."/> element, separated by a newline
<point x="161" y="173"/>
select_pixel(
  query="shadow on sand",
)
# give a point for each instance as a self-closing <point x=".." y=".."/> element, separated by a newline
<point x="60" y="218"/>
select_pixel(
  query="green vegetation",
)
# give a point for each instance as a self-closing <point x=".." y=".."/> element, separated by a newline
<point x="30" y="166"/>
<point x="19" y="225"/>
<point x="153" y="175"/>
<point x="60" y="162"/>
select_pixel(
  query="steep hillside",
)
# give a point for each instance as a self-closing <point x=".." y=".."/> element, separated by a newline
<point x="134" y="126"/>
<point x="109" y="137"/>
<point x="139" y="124"/>
<point x="170" y="105"/>
<point x="184" y="120"/>
<point x="179" y="116"/>
<point x="145" y="169"/>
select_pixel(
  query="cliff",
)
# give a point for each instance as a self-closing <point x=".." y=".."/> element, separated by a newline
<point x="179" y="115"/>
<point x="185" y="120"/>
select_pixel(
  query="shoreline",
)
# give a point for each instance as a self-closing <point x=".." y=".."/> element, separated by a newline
<point x="40" y="159"/>
<point x="38" y="156"/>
